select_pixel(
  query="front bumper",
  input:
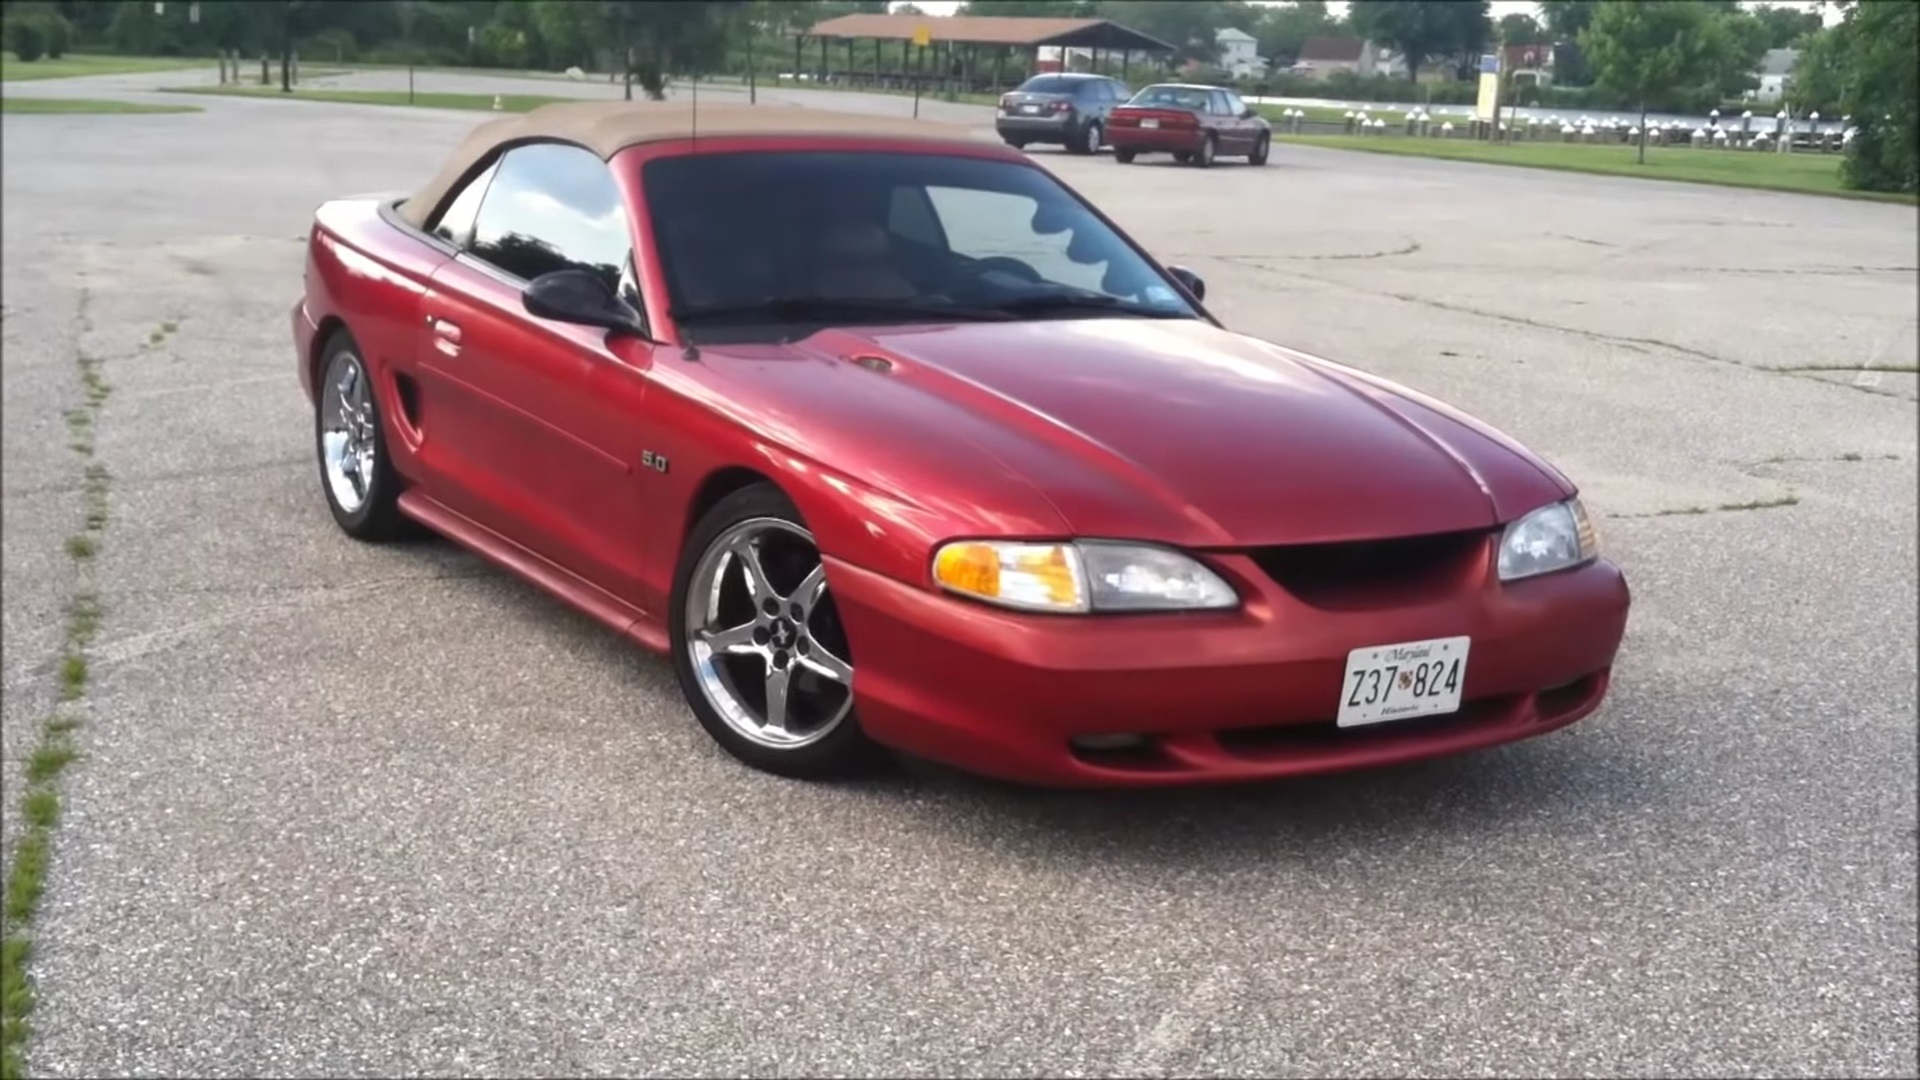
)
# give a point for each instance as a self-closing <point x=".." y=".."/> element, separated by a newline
<point x="304" y="330"/>
<point x="1232" y="696"/>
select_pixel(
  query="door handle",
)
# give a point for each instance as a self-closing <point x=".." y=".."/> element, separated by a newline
<point x="446" y="336"/>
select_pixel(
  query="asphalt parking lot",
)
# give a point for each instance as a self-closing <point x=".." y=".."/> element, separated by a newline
<point x="358" y="811"/>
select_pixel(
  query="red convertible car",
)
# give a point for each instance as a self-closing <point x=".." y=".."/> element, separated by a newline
<point x="891" y="440"/>
<point x="1196" y="124"/>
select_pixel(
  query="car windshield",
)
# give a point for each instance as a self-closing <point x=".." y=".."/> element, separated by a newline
<point x="778" y="239"/>
<point x="1051" y="84"/>
<point x="1170" y="97"/>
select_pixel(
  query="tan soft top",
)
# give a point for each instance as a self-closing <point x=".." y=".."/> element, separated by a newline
<point x="608" y="127"/>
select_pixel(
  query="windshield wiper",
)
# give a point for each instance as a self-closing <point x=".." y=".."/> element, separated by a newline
<point x="821" y="309"/>
<point x="1095" y="302"/>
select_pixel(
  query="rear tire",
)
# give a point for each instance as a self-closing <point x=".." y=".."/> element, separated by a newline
<point x="1124" y="157"/>
<point x="1088" y="140"/>
<point x="1183" y="157"/>
<point x="1261" y="148"/>
<point x="752" y="623"/>
<point x="1017" y="144"/>
<point x="350" y="441"/>
<point x="1204" y="159"/>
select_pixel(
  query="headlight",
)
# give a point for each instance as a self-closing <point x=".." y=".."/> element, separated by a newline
<point x="1079" y="577"/>
<point x="1551" y="538"/>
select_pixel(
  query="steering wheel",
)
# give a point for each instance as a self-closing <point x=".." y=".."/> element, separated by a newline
<point x="1005" y="264"/>
<point x="973" y="277"/>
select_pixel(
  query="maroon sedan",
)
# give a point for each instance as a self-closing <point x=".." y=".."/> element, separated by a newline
<point x="891" y="440"/>
<point x="1196" y="124"/>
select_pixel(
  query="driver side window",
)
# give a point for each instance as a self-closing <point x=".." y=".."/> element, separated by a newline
<point x="983" y="224"/>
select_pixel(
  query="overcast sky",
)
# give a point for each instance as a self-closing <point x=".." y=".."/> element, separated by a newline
<point x="1500" y="7"/>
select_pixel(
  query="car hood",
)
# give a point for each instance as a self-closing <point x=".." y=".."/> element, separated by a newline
<point x="1185" y="433"/>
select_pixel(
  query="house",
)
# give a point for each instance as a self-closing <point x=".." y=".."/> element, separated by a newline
<point x="1528" y="64"/>
<point x="1239" y="52"/>
<point x="1321" y="57"/>
<point x="1775" y="74"/>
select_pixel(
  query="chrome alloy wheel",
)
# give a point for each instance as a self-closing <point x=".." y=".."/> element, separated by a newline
<point x="765" y="641"/>
<point x="347" y="443"/>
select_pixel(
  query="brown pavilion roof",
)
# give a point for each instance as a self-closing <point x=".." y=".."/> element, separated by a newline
<point x="991" y="30"/>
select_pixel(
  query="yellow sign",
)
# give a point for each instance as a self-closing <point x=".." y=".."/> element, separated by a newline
<point x="1489" y="93"/>
<point x="923" y="36"/>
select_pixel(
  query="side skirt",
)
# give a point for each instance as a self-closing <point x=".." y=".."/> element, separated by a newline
<point x="623" y="618"/>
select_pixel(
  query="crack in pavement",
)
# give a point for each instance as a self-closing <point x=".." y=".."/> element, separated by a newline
<point x="295" y="596"/>
<point x="1612" y="339"/>
<point x="157" y="478"/>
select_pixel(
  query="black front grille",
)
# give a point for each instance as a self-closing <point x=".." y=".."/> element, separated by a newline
<point x="1363" y="574"/>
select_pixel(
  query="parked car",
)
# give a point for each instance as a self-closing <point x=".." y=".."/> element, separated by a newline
<point x="1069" y="108"/>
<point x="888" y="438"/>
<point x="1196" y="124"/>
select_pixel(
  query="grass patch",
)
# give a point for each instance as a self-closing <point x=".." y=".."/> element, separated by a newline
<point x="90" y="106"/>
<point x="40" y="803"/>
<point x="13" y="69"/>
<point x="1788" y="499"/>
<point x="1808" y="174"/>
<point x="472" y="102"/>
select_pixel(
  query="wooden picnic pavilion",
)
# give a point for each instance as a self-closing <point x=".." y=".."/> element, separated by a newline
<point x="960" y="52"/>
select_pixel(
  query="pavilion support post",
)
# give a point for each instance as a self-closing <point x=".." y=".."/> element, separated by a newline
<point x="823" y="60"/>
<point x="850" y="67"/>
<point x="878" y="78"/>
<point x="799" y="57"/>
<point x="999" y="66"/>
<point x="1126" y="65"/>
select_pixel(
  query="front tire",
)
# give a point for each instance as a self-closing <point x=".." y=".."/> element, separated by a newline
<point x="758" y="645"/>
<point x="1261" y="148"/>
<point x="350" y="439"/>
<point x="1124" y="157"/>
<point x="1204" y="158"/>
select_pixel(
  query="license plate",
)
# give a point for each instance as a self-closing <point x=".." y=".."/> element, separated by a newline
<point x="1399" y="682"/>
<point x="1029" y="108"/>
<point x="1149" y="123"/>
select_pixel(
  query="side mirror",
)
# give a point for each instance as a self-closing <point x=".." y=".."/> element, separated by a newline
<point x="1249" y="113"/>
<point x="1191" y="280"/>
<point x="578" y="296"/>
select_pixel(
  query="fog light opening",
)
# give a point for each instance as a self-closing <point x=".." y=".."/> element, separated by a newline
<point x="1108" y="744"/>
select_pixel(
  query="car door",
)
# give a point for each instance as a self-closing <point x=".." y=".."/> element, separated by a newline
<point x="1225" y="122"/>
<point x="1249" y="128"/>
<point x="537" y="426"/>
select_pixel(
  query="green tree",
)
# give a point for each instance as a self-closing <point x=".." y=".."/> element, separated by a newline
<point x="25" y="37"/>
<point x="1030" y="9"/>
<point x="1520" y="28"/>
<point x="1785" y="26"/>
<point x="1423" y="30"/>
<point x="1877" y="41"/>
<point x="1284" y="28"/>
<point x="1187" y="25"/>
<point x="1644" y="50"/>
<point x="1820" y="77"/>
<point x="1566" y="19"/>
<point x="1745" y="39"/>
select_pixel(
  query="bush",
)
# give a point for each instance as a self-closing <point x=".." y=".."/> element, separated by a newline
<point x="26" y="38"/>
<point x="59" y="34"/>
